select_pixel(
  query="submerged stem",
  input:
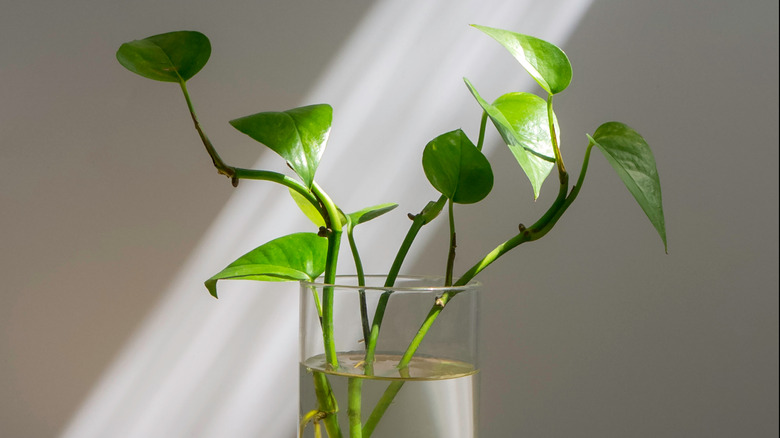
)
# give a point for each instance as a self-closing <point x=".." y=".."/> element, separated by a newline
<point x="381" y="407"/>
<point x="354" y="386"/>
<point x="327" y="404"/>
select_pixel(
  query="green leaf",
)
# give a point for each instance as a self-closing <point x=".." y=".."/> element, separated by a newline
<point x="307" y="208"/>
<point x="432" y="209"/>
<point x="311" y="212"/>
<point x="299" y="135"/>
<point x="294" y="257"/>
<point x="168" y="57"/>
<point x="544" y="61"/>
<point x="369" y="213"/>
<point x="521" y="119"/>
<point x="456" y="168"/>
<point x="632" y="159"/>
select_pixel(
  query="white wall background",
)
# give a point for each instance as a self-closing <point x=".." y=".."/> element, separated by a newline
<point x="591" y="332"/>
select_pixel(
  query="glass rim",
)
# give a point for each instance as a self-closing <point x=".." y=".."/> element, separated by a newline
<point x="471" y="285"/>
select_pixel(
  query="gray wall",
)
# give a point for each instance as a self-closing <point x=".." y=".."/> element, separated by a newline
<point x="104" y="192"/>
<point x="591" y="332"/>
<point x="610" y="336"/>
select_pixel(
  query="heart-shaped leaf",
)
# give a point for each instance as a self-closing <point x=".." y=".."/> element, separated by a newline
<point x="521" y="119"/>
<point x="369" y="213"/>
<point x="168" y="57"/>
<point x="299" y="135"/>
<point x="632" y="159"/>
<point x="456" y="168"/>
<point x="544" y="61"/>
<point x="294" y="257"/>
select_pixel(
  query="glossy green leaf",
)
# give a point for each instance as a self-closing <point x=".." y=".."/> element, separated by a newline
<point x="369" y="213"/>
<point x="456" y="168"/>
<point x="632" y="159"/>
<point x="168" y="57"/>
<point x="299" y="135"/>
<point x="294" y="257"/>
<point x="544" y="61"/>
<point x="521" y="119"/>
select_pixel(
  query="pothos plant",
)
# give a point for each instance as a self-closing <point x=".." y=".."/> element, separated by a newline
<point x="455" y="166"/>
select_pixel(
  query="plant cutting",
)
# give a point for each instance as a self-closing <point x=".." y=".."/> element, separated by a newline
<point x="357" y="362"/>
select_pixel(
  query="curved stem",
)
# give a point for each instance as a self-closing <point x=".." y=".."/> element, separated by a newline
<point x="554" y="138"/>
<point x="237" y="173"/>
<point x="222" y="168"/>
<point x="327" y="404"/>
<point x="361" y="281"/>
<point x="493" y="256"/>
<point x="536" y="231"/>
<point x="581" y="179"/>
<point x="279" y="178"/>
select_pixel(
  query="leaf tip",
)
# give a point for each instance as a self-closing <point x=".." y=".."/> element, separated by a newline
<point x="211" y="285"/>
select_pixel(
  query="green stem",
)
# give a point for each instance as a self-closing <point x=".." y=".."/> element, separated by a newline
<point x="310" y="417"/>
<point x="482" y="125"/>
<point x="581" y="179"/>
<point x="492" y="256"/>
<point x="327" y="404"/>
<point x="453" y="244"/>
<point x="353" y="410"/>
<point x="418" y="221"/>
<point x="222" y="168"/>
<point x="381" y="407"/>
<point x="279" y="178"/>
<point x="554" y="138"/>
<point x="534" y="232"/>
<point x="427" y="215"/>
<point x="361" y="281"/>
<point x="237" y="173"/>
<point x="329" y="277"/>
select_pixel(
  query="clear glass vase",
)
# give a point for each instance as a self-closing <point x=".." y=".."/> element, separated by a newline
<point x="415" y="376"/>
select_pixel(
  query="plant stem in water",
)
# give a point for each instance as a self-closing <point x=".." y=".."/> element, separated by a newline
<point x="327" y="404"/>
<point x="381" y="407"/>
<point x="354" y="386"/>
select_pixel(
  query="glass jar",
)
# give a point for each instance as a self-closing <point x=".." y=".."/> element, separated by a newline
<point x="379" y="361"/>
